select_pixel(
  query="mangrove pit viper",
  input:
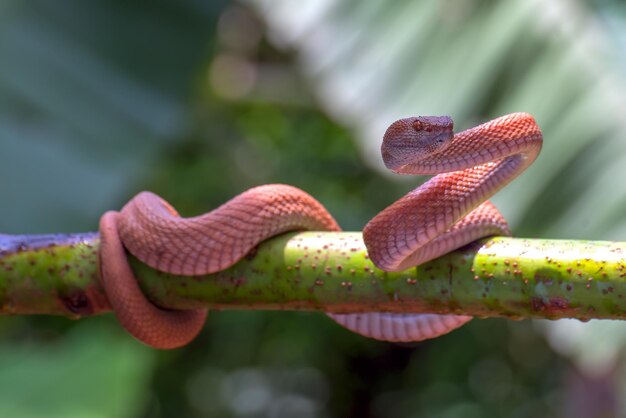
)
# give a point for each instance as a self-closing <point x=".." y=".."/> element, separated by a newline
<point x="445" y="213"/>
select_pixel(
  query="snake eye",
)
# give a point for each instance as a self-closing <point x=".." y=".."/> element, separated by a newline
<point x="420" y="126"/>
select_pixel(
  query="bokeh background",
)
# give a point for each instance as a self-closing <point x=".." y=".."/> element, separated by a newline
<point x="198" y="100"/>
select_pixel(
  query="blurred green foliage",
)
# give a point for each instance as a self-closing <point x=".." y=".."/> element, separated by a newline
<point x="199" y="100"/>
<point x="91" y="372"/>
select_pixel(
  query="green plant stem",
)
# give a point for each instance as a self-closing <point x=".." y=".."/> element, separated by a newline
<point x="330" y="271"/>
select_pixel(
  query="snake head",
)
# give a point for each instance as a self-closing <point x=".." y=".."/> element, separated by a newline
<point x="410" y="140"/>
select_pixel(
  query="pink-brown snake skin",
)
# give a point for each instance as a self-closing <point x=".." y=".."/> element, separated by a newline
<point x="445" y="213"/>
<point x="153" y="232"/>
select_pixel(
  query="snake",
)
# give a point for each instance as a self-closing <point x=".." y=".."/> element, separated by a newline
<point x="446" y="212"/>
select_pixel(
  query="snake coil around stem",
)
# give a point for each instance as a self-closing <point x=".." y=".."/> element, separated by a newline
<point x="445" y="213"/>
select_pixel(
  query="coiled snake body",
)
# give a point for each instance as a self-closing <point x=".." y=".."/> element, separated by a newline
<point x="447" y="212"/>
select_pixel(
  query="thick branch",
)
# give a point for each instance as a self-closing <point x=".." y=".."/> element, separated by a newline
<point x="509" y="277"/>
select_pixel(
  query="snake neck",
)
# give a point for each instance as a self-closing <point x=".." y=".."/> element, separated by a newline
<point x="512" y="135"/>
